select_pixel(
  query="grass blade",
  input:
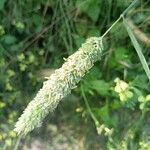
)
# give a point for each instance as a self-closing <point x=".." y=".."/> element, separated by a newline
<point x="137" y="48"/>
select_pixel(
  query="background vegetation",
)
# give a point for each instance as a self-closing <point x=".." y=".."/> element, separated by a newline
<point x="35" y="35"/>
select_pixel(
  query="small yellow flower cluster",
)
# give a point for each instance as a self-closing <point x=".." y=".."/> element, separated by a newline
<point x="144" y="145"/>
<point x="18" y="24"/>
<point x="7" y="137"/>
<point x="143" y="100"/>
<point x="103" y="128"/>
<point x="2" y="104"/>
<point x="122" y="88"/>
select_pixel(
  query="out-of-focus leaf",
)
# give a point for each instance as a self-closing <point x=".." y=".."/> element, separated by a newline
<point x="100" y="86"/>
<point x="94" y="32"/>
<point x="36" y="19"/>
<point x="93" y="11"/>
<point x="79" y="40"/>
<point x="81" y="28"/>
<point x="16" y="47"/>
<point x="91" y="8"/>
<point x="93" y="75"/>
<point x="2" y="2"/>
<point x="120" y="54"/>
<point x="140" y="81"/>
<point x="118" y="31"/>
<point x="103" y="112"/>
<point x="9" y="39"/>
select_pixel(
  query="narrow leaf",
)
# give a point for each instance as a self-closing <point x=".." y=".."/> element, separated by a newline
<point x="137" y="48"/>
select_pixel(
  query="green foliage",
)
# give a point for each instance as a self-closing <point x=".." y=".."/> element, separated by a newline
<point x="2" y="2"/>
<point x="100" y="86"/>
<point x="90" y="8"/>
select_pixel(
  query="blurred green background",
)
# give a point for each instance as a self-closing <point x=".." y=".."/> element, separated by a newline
<point x="35" y="36"/>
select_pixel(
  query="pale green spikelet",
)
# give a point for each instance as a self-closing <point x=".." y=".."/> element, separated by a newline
<point x="59" y="84"/>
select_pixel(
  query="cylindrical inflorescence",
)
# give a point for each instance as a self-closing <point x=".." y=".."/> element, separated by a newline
<point x="59" y="84"/>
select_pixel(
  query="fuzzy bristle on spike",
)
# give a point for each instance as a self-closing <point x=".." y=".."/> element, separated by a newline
<point x="59" y="84"/>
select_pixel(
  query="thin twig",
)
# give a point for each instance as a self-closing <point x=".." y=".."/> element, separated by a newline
<point x="46" y="29"/>
<point x="120" y="17"/>
<point x="112" y="26"/>
<point x="88" y="107"/>
<point x="17" y="142"/>
<point x="130" y="6"/>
